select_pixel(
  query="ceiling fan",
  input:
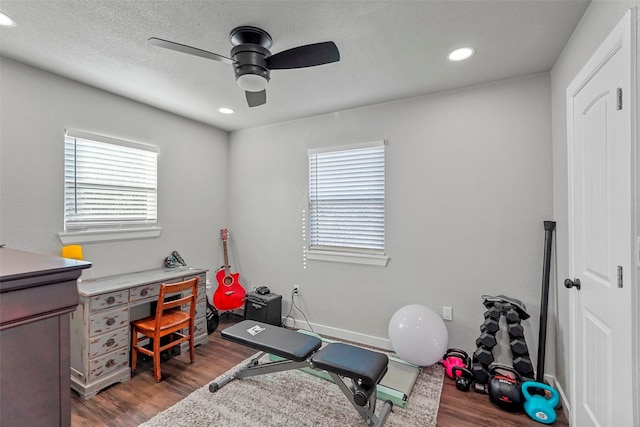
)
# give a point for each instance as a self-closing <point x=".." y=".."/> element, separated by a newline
<point x="252" y="61"/>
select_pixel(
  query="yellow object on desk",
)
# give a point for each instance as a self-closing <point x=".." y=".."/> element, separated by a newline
<point x="72" y="251"/>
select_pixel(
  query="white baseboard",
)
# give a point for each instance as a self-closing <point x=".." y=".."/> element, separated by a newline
<point x="368" y="340"/>
<point x="566" y="408"/>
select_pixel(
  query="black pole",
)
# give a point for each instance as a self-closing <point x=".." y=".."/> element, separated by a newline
<point x="549" y="226"/>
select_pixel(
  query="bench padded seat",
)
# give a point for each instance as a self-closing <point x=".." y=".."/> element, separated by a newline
<point x="273" y="339"/>
<point x="352" y="362"/>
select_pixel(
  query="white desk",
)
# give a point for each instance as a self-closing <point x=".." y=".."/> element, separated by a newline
<point x="100" y="331"/>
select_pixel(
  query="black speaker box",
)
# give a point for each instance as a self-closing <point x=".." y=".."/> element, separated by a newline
<point x="263" y="308"/>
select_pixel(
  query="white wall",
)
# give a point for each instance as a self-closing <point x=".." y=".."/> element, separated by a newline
<point x="469" y="185"/>
<point x="35" y="109"/>
<point x="598" y="21"/>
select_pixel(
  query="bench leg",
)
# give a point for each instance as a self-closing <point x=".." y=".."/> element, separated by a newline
<point x="367" y="412"/>
<point x="253" y="368"/>
<point x="271" y="367"/>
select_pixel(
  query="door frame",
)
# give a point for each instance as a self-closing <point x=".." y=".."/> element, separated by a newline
<point x="589" y="68"/>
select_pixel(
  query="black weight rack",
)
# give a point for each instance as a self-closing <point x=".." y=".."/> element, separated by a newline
<point x="513" y="312"/>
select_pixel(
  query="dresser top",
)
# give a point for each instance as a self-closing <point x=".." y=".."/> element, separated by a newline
<point x="129" y="280"/>
<point x="21" y="269"/>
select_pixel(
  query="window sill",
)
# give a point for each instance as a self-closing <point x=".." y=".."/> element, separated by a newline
<point x="98" y="236"/>
<point x="348" y="257"/>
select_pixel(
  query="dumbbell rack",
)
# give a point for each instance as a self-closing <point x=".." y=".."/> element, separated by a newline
<point x="513" y="312"/>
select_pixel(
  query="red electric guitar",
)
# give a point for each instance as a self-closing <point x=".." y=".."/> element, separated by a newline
<point x="230" y="294"/>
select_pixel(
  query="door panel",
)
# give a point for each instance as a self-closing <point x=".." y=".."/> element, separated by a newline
<point x="594" y="120"/>
<point x="597" y="350"/>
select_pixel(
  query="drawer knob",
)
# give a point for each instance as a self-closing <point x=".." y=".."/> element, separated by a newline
<point x="144" y="292"/>
<point x="111" y="321"/>
<point x="110" y="363"/>
<point x="111" y="300"/>
<point x="110" y="342"/>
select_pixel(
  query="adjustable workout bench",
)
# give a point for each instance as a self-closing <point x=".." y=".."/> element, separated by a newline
<point x="363" y="368"/>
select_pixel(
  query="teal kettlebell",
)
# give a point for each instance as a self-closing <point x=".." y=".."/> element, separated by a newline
<point x="539" y="408"/>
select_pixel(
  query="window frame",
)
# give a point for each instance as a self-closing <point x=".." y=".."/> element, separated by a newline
<point x="117" y="230"/>
<point x="353" y="255"/>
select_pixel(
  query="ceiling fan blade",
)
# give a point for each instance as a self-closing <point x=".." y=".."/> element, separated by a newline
<point x="255" y="99"/>
<point x="189" y="50"/>
<point x="305" y="56"/>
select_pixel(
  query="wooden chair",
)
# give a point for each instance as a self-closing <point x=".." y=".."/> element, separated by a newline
<point x="171" y="320"/>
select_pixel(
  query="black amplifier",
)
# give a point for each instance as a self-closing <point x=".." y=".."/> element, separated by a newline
<point x="263" y="308"/>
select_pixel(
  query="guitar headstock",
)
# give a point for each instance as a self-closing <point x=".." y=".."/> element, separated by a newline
<point x="224" y="234"/>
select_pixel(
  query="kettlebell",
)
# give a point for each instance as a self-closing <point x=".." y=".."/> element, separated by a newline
<point x="463" y="377"/>
<point x="504" y="388"/>
<point x="539" y="408"/>
<point x="454" y="357"/>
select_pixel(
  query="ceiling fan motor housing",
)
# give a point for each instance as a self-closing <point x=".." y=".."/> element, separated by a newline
<point x="250" y="60"/>
<point x="251" y="48"/>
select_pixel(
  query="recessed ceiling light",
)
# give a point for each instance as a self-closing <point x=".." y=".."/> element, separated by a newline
<point x="6" y="21"/>
<point x="461" y="54"/>
<point x="226" y="110"/>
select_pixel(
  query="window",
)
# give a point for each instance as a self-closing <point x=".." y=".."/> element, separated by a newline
<point x="346" y="204"/>
<point x="110" y="186"/>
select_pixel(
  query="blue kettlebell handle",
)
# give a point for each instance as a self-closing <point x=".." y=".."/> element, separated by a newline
<point x="555" y="396"/>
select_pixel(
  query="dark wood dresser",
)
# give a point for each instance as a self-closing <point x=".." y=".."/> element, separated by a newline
<point x="37" y="293"/>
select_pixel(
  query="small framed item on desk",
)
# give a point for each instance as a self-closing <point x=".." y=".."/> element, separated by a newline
<point x="266" y="308"/>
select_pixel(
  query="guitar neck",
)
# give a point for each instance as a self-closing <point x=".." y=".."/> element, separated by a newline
<point x="226" y="256"/>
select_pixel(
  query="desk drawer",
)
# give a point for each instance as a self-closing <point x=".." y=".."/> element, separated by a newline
<point x="112" y="299"/>
<point x="143" y="292"/>
<point x="110" y="341"/>
<point x="108" y="363"/>
<point x="202" y="283"/>
<point x="200" y="327"/>
<point x="108" y="321"/>
<point x="202" y="294"/>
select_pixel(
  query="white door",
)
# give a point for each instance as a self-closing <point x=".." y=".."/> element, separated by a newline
<point x="601" y="228"/>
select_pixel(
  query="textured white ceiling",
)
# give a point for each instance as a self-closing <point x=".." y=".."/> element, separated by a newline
<point x="389" y="49"/>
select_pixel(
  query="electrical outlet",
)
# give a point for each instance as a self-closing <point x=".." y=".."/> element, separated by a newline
<point x="296" y="289"/>
<point x="447" y="313"/>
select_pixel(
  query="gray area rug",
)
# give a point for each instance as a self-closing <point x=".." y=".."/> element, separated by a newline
<point x="294" y="398"/>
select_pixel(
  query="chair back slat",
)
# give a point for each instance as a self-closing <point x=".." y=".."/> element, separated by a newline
<point x="176" y="302"/>
<point x="169" y="289"/>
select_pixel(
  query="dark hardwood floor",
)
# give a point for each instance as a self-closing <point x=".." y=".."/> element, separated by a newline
<point x="137" y="400"/>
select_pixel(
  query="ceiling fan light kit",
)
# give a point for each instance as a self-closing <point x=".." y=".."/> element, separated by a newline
<point x="251" y="82"/>
<point x="252" y="61"/>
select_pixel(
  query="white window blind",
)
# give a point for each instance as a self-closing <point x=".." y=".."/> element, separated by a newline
<point x="109" y="183"/>
<point x="346" y="198"/>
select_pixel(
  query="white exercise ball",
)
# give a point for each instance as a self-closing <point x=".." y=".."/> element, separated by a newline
<point x="418" y="335"/>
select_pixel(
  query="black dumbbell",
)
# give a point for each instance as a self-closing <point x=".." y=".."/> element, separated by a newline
<point x="519" y="347"/>
<point x="483" y="355"/>
<point x="515" y="330"/>
<point x="487" y="340"/>
<point x="523" y="365"/>
<point x="480" y="373"/>
<point x="490" y="325"/>
<point x="492" y="313"/>
<point x="512" y="316"/>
